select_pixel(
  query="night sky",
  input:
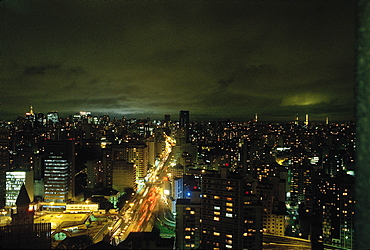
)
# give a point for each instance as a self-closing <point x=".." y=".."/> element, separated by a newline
<point x="217" y="59"/>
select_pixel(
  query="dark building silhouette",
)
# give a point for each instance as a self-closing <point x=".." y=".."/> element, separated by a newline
<point x="23" y="233"/>
<point x="147" y="240"/>
<point x="231" y="215"/>
<point x="185" y="123"/>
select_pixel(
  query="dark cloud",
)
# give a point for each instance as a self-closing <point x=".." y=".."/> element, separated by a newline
<point x="213" y="58"/>
<point x="39" y="70"/>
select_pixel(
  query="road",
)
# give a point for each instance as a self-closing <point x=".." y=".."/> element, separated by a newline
<point x="284" y="242"/>
<point x="139" y="214"/>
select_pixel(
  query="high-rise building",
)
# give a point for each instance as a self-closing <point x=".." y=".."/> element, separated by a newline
<point x="59" y="170"/>
<point x="4" y="161"/>
<point x="94" y="173"/>
<point x="124" y="175"/>
<point x="167" y="120"/>
<point x="188" y="212"/>
<point x="306" y="120"/>
<point x="185" y="123"/>
<point x="14" y="181"/>
<point x="231" y="215"/>
<point x="135" y="153"/>
<point x="52" y="117"/>
<point x="336" y="201"/>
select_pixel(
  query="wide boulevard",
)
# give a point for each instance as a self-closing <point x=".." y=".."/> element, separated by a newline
<point x="139" y="214"/>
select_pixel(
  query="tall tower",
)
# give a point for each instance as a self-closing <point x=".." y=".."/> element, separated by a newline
<point x="31" y="111"/>
<point x="306" y="121"/>
<point x="59" y="170"/>
<point x="184" y="123"/>
<point x="167" y="119"/>
<point x="296" y="120"/>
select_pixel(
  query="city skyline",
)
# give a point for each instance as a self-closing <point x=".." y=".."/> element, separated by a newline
<point x="219" y="60"/>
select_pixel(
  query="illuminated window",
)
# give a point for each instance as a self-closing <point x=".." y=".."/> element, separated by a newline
<point x="188" y="208"/>
<point x="216" y="218"/>
<point x="216" y="233"/>
<point x="216" y="197"/>
<point x="229" y="198"/>
<point x="229" y="236"/>
<point x="187" y="229"/>
<point x="192" y="212"/>
<point x="217" y="208"/>
<point x="229" y="204"/>
<point x="187" y="237"/>
<point x="229" y="215"/>
<point x="229" y="246"/>
<point x="229" y="209"/>
<point x="229" y="241"/>
<point x="216" y="213"/>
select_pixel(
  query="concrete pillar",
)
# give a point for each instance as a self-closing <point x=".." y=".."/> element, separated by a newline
<point x="362" y="172"/>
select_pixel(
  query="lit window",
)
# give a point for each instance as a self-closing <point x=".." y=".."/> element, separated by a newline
<point x="229" y="209"/>
<point x="229" y="215"/>
<point x="216" y="213"/>
<point x="229" y="204"/>
<point x="216" y="197"/>
<point x="192" y="212"/>
<point x="216" y="218"/>
<point x="229" y="198"/>
<point x="229" y="246"/>
<point x="229" y="236"/>
<point x="187" y="237"/>
<point x="188" y="208"/>
<point x="216" y="233"/>
<point x="217" y="208"/>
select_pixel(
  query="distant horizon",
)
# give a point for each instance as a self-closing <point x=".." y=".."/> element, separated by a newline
<point x="199" y="118"/>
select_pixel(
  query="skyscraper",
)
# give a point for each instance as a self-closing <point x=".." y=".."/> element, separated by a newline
<point x="184" y="123"/>
<point x="59" y="170"/>
<point x="188" y="218"/>
<point x="231" y="215"/>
